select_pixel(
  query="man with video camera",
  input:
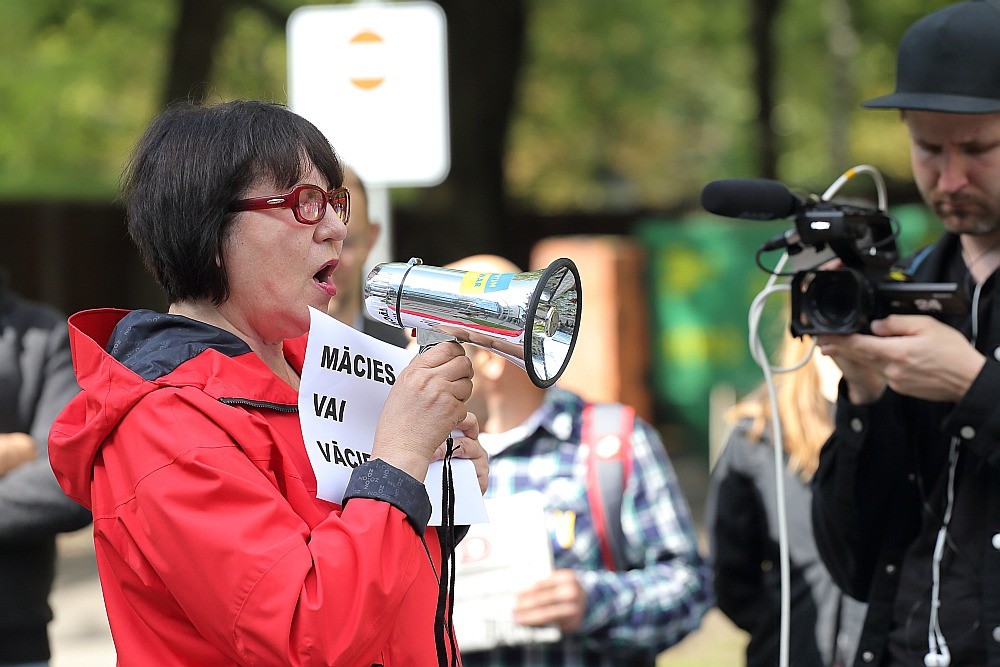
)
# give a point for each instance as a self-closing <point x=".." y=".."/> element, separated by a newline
<point x="906" y="501"/>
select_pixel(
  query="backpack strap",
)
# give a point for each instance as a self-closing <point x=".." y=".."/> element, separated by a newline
<point x="607" y="433"/>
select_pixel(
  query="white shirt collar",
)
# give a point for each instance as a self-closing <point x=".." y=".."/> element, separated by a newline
<point x="494" y="443"/>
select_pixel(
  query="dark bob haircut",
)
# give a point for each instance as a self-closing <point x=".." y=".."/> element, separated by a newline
<point x="190" y="164"/>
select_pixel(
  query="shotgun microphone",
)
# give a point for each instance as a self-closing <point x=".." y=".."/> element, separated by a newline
<point x="750" y="199"/>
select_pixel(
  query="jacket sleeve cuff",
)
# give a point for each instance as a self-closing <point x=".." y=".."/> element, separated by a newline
<point x="377" y="480"/>
<point x="975" y="417"/>
<point x="979" y="401"/>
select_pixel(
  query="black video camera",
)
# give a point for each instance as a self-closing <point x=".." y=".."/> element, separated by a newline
<point x="843" y="300"/>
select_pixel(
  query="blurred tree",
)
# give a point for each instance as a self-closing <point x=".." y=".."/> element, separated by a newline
<point x="630" y="106"/>
<point x="842" y="46"/>
<point x="762" y="37"/>
<point x="75" y="82"/>
<point x="468" y="212"/>
<point x="612" y="107"/>
<point x="211" y="54"/>
<point x="196" y="35"/>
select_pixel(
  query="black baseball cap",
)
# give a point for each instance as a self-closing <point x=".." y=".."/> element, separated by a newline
<point x="949" y="61"/>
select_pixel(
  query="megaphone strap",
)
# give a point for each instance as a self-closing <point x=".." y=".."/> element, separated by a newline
<point x="443" y="620"/>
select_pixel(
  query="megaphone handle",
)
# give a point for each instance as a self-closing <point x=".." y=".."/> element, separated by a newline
<point x="426" y="338"/>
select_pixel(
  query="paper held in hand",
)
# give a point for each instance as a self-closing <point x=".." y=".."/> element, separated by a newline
<point x="493" y="563"/>
<point x="346" y="377"/>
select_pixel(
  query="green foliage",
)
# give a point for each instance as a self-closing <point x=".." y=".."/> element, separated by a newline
<point x="809" y="78"/>
<point x="639" y="104"/>
<point x="628" y="104"/>
<point x="75" y="82"/>
<point x="621" y="105"/>
<point x="79" y="80"/>
<point x="252" y="59"/>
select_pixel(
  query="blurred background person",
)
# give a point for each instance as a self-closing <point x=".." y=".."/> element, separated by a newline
<point x="350" y="275"/>
<point x="36" y="382"/>
<point x="607" y="617"/>
<point x="742" y="520"/>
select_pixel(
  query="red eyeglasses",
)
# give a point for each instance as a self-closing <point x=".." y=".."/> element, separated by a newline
<point x="308" y="203"/>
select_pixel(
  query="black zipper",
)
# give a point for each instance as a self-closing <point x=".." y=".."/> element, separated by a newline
<point x="280" y="407"/>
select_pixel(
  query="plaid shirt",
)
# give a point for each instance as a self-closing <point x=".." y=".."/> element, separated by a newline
<point x="631" y="616"/>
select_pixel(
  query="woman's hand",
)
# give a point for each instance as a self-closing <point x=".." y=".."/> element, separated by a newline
<point x="422" y="408"/>
<point x="468" y="447"/>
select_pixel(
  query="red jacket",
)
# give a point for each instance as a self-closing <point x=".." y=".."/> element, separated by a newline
<point x="211" y="544"/>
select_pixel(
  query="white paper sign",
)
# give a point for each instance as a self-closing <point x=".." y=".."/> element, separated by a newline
<point x="345" y="379"/>
<point x="492" y="564"/>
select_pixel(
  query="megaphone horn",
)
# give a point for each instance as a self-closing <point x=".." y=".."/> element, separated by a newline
<point x="530" y="318"/>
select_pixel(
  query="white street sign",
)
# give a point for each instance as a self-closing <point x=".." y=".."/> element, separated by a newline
<point x="373" y="77"/>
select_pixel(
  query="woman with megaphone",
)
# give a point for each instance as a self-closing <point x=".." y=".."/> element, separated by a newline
<point x="212" y="546"/>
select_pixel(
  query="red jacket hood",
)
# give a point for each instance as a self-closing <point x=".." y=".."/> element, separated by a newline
<point x="118" y="365"/>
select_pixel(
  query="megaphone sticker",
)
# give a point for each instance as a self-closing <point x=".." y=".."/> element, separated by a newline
<point x="481" y="283"/>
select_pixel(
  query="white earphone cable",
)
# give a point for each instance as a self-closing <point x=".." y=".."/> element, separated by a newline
<point x="938" y="654"/>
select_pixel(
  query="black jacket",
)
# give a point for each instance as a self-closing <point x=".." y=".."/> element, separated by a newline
<point x="886" y="459"/>
<point x="741" y="520"/>
<point x="36" y="382"/>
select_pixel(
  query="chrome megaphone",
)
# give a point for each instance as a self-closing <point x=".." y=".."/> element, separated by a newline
<point x="529" y="318"/>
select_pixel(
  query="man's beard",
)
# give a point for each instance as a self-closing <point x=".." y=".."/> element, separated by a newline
<point x="967" y="216"/>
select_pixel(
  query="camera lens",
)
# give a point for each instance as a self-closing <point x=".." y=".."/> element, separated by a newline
<point x="834" y="298"/>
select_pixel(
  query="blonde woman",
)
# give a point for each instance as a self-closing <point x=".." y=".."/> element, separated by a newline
<point x="742" y="525"/>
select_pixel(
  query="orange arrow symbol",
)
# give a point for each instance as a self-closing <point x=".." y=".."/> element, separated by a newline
<point x="369" y="82"/>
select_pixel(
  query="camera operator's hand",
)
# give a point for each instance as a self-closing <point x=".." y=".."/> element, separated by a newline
<point x="865" y="384"/>
<point x="915" y="355"/>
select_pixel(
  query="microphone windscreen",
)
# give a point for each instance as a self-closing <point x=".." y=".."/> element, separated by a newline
<point x="749" y="198"/>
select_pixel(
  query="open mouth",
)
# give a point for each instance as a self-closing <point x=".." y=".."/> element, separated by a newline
<point x="325" y="279"/>
<point x="325" y="275"/>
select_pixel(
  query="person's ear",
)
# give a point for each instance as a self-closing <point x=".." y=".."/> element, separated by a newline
<point x="374" y="229"/>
